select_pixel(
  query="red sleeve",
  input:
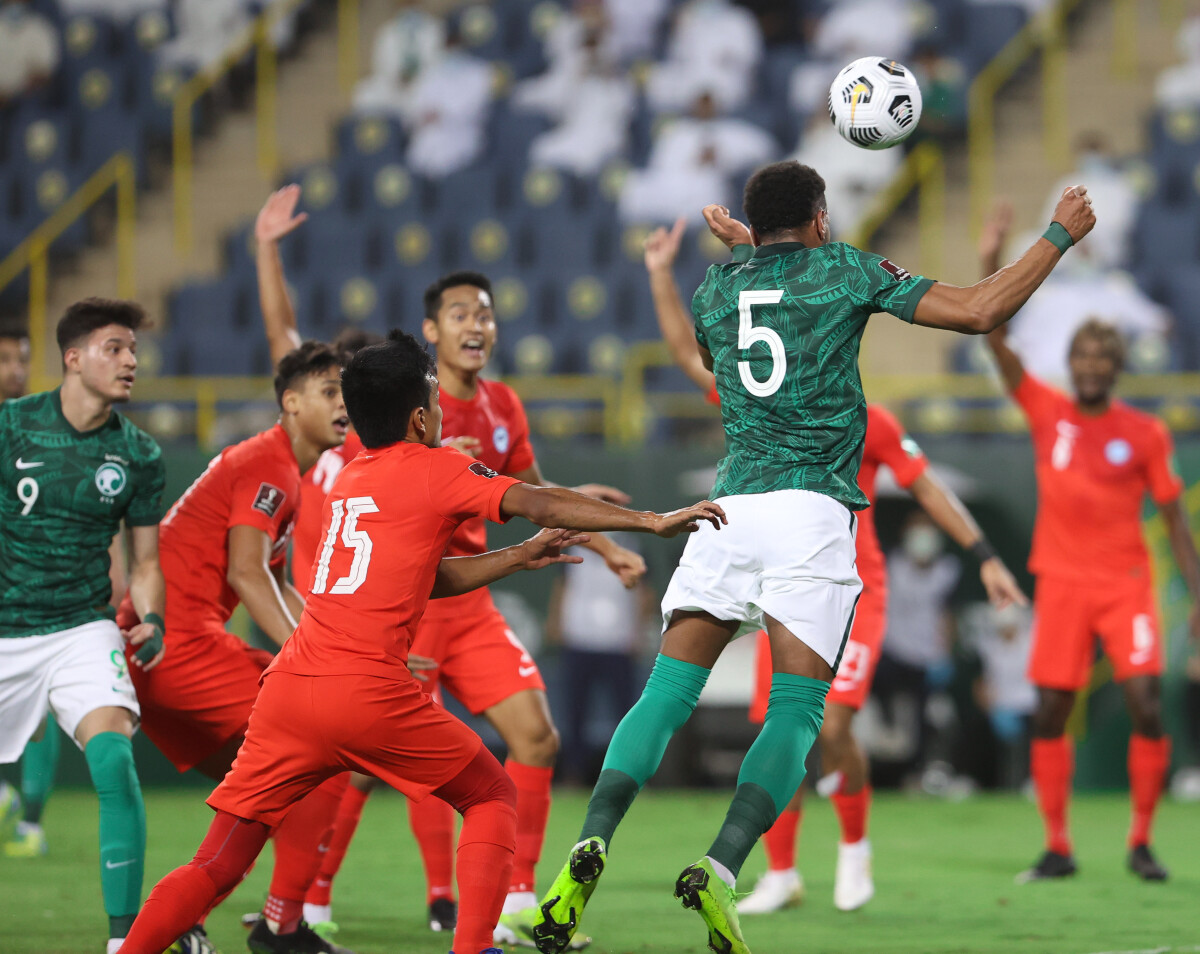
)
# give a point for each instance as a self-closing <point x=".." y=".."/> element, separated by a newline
<point x="888" y="443"/>
<point x="264" y="494"/>
<point x="461" y="488"/>
<point x="1165" y="483"/>
<point x="1037" y="399"/>
<point x="712" y="397"/>
<point x="520" y="456"/>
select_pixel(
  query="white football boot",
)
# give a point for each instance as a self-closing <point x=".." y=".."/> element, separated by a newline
<point x="853" y="885"/>
<point x="774" y="890"/>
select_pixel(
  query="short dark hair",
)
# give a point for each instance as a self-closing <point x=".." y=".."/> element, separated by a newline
<point x="1106" y="335"/>
<point x="13" y="331"/>
<point x="383" y="384"/>
<point x="782" y="196"/>
<point x="433" y="294"/>
<point x="312" y="357"/>
<point x="350" y="341"/>
<point x="85" y="316"/>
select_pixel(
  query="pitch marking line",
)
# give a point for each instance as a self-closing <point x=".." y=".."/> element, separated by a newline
<point x="1190" y="949"/>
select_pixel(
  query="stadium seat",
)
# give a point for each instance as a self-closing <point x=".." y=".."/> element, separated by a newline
<point x="338" y="244"/>
<point x="1165" y="234"/>
<point x="385" y="195"/>
<point x="989" y="26"/>
<point x="355" y="298"/>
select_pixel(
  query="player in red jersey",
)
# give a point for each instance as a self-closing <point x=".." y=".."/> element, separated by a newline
<point x="223" y="543"/>
<point x="1096" y="460"/>
<point x="846" y="778"/>
<point x="339" y="696"/>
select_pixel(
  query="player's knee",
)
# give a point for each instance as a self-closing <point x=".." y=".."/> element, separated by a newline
<point x="1145" y="712"/>
<point x="539" y="745"/>
<point x="503" y="790"/>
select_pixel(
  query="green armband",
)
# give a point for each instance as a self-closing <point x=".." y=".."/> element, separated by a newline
<point x="152" y="646"/>
<point x="1058" y="236"/>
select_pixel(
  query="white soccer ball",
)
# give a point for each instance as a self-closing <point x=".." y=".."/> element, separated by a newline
<point x="875" y="103"/>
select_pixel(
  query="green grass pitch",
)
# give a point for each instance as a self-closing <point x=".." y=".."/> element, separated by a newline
<point x="944" y="881"/>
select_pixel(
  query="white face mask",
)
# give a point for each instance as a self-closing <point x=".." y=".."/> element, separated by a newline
<point x="922" y="544"/>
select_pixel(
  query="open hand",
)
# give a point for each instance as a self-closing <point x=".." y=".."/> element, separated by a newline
<point x="546" y="547"/>
<point x="995" y="231"/>
<point x="1002" y="588"/>
<point x="421" y="666"/>
<point x="729" y="230"/>
<point x="627" y="565"/>
<point x="471" y="446"/>
<point x="150" y="638"/>
<point x="662" y="246"/>
<point x="604" y="492"/>
<point x="278" y="215"/>
<point x="688" y="519"/>
<point x="1074" y="212"/>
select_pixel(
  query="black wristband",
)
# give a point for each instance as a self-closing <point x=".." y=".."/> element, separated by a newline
<point x="983" y="551"/>
<point x="1058" y="236"/>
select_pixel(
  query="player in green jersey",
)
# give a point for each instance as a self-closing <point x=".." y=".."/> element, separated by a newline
<point x="780" y="328"/>
<point x="72" y="470"/>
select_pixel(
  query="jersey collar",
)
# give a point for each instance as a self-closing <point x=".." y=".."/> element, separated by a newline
<point x="779" y="248"/>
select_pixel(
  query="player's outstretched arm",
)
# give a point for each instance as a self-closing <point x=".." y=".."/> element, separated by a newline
<point x="250" y="576"/>
<point x="950" y="513"/>
<point x="457" y="575"/>
<point x="1183" y="547"/>
<point x="986" y="305"/>
<point x="559" y="507"/>
<point x="276" y="219"/>
<point x="148" y="592"/>
<point x="991" y="245"/>
<point x="674" y="321"/>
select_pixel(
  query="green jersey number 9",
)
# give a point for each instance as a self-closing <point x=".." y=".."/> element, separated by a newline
<point x="27" y="493"/>
<point x="749" y="335"/>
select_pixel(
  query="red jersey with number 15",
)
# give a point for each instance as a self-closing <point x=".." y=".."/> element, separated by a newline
<point x="314" y="486"/>
<point x="1093" y="474"/>
<point x="386" y="524"/>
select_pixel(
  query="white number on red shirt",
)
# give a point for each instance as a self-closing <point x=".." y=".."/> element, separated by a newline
<point x="357" y="540"/>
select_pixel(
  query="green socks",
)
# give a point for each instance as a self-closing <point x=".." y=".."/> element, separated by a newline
<point x="773" y="768"/>
<point x="638" y="745"/>
<point x="122" y="828"/>
<point x="38" y="766"/>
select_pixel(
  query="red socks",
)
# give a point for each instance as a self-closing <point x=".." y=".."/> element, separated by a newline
<point x="533" y="811"/>
<point x="852" y="813"/>
<point x="780" y="841"/>
<point x="1149" y="760"/>
<point x="1052" y="764"/>
<point x="432" y="822"/>
<point x="298" y="838"/>
<point x="485" y="864"/>
<point x="178" y="901"/>
<point x="344" y="825"/>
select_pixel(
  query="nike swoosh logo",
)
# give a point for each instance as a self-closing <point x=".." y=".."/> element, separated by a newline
<point x="524" y="671"/>
<point x="120" y="864"/>
<point x="26" y="464"/>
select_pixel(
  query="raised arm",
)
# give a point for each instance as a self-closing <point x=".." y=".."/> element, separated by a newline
<point x="250" y="576"/>
<point x="674" y="321"/>
<point x="991" y="246"/>
<point x="276" y="219"/>
<point x="983" y="307"/>
<point x="950" y="513"/>
<point x="457" y="575"/>
<point x="559" y="507"/>
<point x="148" y="593"/>
<point x="1183" y="547"/>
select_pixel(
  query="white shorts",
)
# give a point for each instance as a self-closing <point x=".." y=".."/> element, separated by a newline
<point x="72" y="672"/>
<point x="787" y="554"/>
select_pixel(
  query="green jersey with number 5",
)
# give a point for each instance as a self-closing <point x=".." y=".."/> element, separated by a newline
<point x="783" y="324"/>
<point x="63" y="495"/>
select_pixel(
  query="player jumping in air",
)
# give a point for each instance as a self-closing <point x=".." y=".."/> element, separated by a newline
<point x="779" y="327"/>
<point x="72" y="470"/>
<point x="1096" y="458"/>
<point x="846" y="778"/>
<point x="464" y="645"/>
<point x="224" y="543"/>
<point x="339" y="696"/>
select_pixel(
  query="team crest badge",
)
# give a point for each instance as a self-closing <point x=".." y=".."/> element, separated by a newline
<point x="500" y="439"/>
<point x="1118" y="452"/>
<point x="111" y="479"/>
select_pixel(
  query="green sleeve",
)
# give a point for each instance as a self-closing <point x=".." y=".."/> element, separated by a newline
<point x="742" y="253"/>
<point x="883" y="285"/>
<point x="146" y="508"/>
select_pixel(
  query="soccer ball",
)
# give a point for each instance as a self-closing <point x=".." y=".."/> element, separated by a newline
<point x="875" y="103"/>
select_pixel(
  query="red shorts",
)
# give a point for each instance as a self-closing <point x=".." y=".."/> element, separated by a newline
<point x="856" y="671"/>
<point x="1068" y="618"/>
<point x="480" y="660"/>
<point x="305" y="729"/>
<point x="200" y="695"/>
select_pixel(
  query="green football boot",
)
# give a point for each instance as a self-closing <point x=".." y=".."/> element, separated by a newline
<point x="699" y="887"/>
<point x="558" y="915"/>
<point x="516" y="930"/>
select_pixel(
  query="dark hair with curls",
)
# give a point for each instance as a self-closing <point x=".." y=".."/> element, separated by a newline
<point x="383" y="384"/>
<point x="85" y="316"/>
<point x="312" y="357"/>
<point x="782" y="196"/>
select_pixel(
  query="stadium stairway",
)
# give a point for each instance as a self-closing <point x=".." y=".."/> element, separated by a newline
<point x="227" y="183"/>
<point x="1098" y="99"/>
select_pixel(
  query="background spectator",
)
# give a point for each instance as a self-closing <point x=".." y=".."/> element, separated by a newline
<point x="29" y="49"/>
<point x="1004" y="692"/>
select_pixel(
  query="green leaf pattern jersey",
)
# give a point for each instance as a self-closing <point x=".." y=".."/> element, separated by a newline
<point x="783" y="324"/>
<point x="63" y="495"/>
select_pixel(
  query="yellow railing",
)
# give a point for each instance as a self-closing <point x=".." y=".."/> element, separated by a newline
<point x="33" y="253"/>
<point x="924" y="169"/>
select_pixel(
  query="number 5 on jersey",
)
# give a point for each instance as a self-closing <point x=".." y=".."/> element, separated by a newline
<point x="357" y="540"/>
<point x="748" y="335"/>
